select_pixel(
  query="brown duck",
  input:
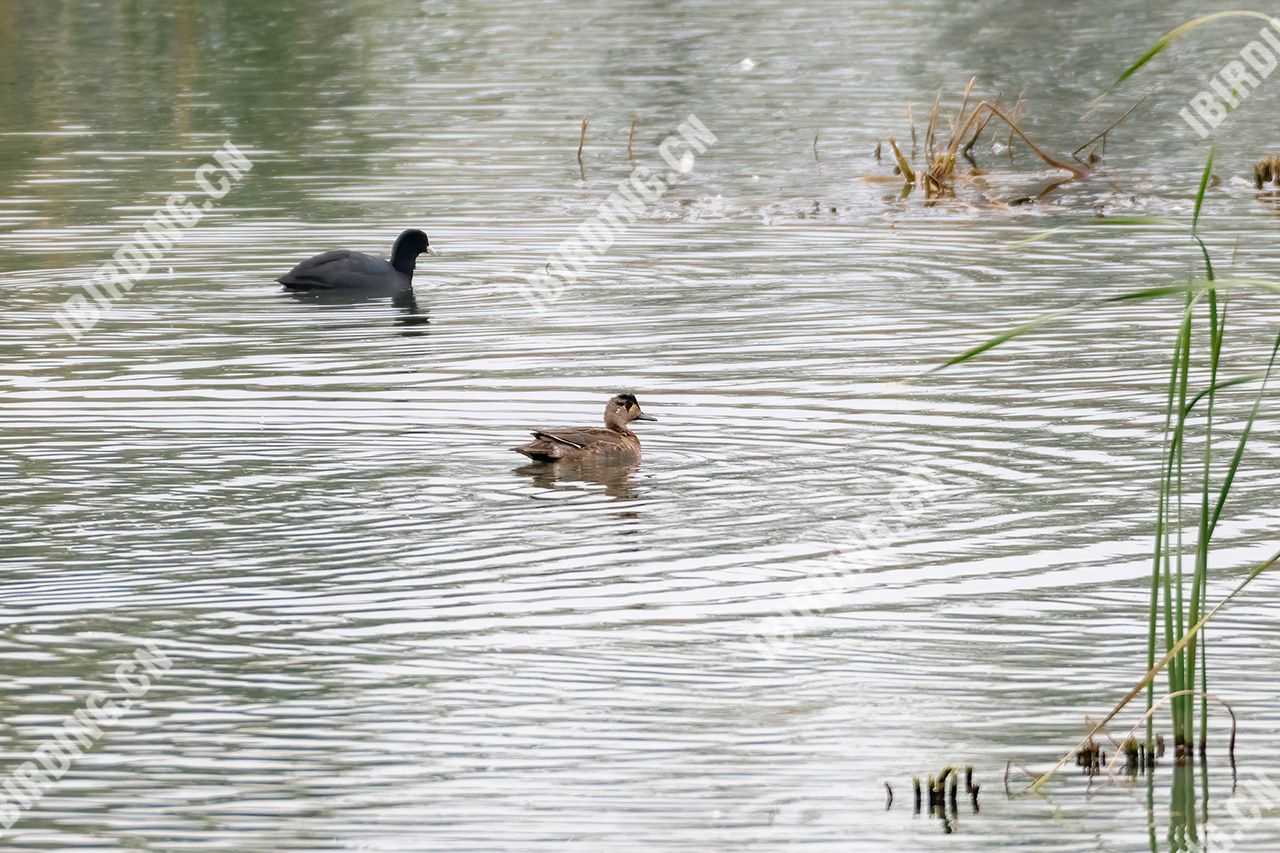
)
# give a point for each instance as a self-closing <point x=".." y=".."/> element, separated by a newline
<point x="613" y="442"/>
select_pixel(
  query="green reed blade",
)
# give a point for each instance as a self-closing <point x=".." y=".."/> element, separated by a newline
<point x="1244" y="439"/>
<point x="1177" y="33"/>
<point x="1204" y="185"/>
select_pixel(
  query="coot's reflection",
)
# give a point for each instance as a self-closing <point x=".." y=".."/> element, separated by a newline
<point x="409" y="316"/>
<point x="616" y="477"/>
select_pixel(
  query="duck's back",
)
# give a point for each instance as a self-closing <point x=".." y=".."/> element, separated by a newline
<point x="343" y="270"/>
<point x="552" y="445"/>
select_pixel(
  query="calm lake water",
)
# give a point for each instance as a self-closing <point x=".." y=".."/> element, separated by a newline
<point x="386" y="634"/>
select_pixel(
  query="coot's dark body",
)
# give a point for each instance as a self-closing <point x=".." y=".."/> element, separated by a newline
<point x="346" y="270"/>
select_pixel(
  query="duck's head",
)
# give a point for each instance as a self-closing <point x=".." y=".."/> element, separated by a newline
<point x="621" y="410"/>
<point x="410" y="244"/>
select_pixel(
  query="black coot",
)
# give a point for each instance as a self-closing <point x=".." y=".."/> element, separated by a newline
<point x="344" y="270"/>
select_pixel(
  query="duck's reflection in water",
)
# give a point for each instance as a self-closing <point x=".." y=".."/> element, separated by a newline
<point x="616" y="477"/>
<point x="412" y="318"/>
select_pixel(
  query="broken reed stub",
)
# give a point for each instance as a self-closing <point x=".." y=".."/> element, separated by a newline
<point x="939" y="795"/>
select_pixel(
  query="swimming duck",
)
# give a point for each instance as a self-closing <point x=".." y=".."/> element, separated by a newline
<point x="346" y="270"/>
<point x="614" y="442"/>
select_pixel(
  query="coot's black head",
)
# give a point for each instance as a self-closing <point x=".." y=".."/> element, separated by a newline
<point x="410" y="244"/>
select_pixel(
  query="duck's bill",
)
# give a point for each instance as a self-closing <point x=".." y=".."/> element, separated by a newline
<point x="645" y="418"/>
<point x="431" y="251"/>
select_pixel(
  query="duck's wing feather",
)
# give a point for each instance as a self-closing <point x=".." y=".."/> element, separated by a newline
<point x="332" y="270"/>
<point x="575" y="436"/>
<point x="548" y="445"/>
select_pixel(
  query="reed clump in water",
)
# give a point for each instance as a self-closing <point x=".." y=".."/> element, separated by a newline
<point x="1178" y="604"/>
<point x="1090" y="757"/>
<point x="937" y="176"/>
<point x="1139" y="757"/>
<point x="1267" y="171"/>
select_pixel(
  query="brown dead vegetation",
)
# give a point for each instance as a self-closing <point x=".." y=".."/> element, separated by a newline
<point x="937" y="175"/>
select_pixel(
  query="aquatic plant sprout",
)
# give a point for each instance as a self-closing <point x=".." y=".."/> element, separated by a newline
<point x="1178" y="606"/>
